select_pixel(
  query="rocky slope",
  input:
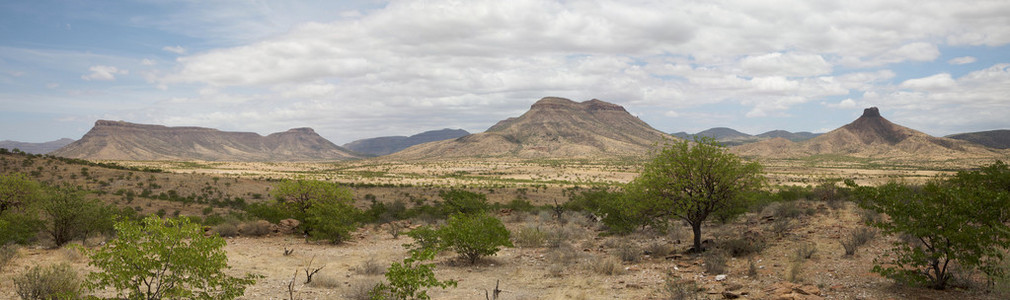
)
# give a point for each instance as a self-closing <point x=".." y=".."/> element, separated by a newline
<point x="871" y="136"/>
<point x="732" y="137"/>
<point x="552" y="128"/>
<point x="36" y="148"/>
<point x="392" y="144"/>
<point x="999" y="139"/>
<point x="112" y="140"/>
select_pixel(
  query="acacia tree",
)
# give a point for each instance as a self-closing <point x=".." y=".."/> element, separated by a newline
<point x="693" y="180"/>
<point x="17" y="190"/>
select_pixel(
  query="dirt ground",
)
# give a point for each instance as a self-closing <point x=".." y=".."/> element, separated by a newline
<point x="578" y="267"/>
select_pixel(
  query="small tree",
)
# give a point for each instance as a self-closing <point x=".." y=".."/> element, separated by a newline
<point x="69" y="215"/>
<point x="473" y="236"/>
<point x="323" y="207"/>
<point x="692" y="181"/>
<point x="411" y="278"/>
<point x="165" y="259"/>
<point x="961" y="220"/>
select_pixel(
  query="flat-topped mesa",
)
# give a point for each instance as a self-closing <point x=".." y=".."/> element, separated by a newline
<point x="562" y="103"/>
<point x="871" y="112"/>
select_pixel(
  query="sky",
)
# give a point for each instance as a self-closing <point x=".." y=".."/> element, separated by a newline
<point x="354" y="69"/>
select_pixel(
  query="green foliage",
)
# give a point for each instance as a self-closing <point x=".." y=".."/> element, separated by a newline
<point x="17" y="190"/>
<point x="411" y="278"/>
<point x="18" y="228"/>
<point x="692" y="181"/>
<point x="962" y="221"/>
<point x="165" y="259"/>
<point x="461" y="201"/>
<point x="474" y="235"/>
<point x="59" y="281"/>
<point x="618" y="212"/>
<point x="425" y="238"/>
<point x="270" y="211"/>
<point x="324" y="208"/>
<point x="331" y="220"/>
<point x="69" y="215"/>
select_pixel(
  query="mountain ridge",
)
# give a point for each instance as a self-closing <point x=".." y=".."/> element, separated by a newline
<point x="391" y="144"/>
<point x="36" y="148"/>
<point x="552" y="127"/>
<point x="119" y="140"/>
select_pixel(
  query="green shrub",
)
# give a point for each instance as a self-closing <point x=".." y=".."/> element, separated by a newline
<point x="425" y="238"/>
<point x="961" y="221"/>
<point x="464" y="202"/>
<point x="59" y="281"/>
<point x="474" y="236"/>
<point x="410" y="279"/>
<point x="165" y="258"/>
<point x="739" y="247"/>
<point x="19" y="228"/>
<point x="331" y="221"/>
<point x="226" y="230"/>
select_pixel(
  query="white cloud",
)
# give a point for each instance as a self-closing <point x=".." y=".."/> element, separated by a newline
<point x="103" y="73"/>
<point x="148" y="62"/>
<point x="844" y="104"/>
<point x="788" y="64"/>
<point x="963" y="60"/>
<point x="175" y="49"/>
<point x="672" y="114"/>
<point x="936" y="82"/>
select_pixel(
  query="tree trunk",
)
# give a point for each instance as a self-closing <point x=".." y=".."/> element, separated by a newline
<point x="697" y="237"/>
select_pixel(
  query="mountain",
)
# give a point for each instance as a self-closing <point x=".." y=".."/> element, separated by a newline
<point x="999" y="139"/>
<point x="792" y="136"/>
<point x="870" y="136"/>
<point x="732" y="137"/>
<point x="36" y="148"/>
<point x="391" y="144"/>
<point x="552" y="128"/>
<point x="112" y="140"/>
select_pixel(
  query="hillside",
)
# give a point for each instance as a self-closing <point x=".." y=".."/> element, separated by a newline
<point x="391" y="144"/>
<point x="999" y="139"/>
<point x="112" y="140"/>
<point x="552" y="128"/>
<point x="871" y="136"/>
<point x="36" y="148"/>
<point x="732" y="137"/>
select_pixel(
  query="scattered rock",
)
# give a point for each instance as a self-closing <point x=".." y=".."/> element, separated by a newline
<point x="720" y="277"/>
<point x="730" y="295"/>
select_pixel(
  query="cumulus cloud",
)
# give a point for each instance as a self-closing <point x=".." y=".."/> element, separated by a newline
<point x="103" y="73"/>
<point x="413" y="57"/>
<point x="963" y="60"/>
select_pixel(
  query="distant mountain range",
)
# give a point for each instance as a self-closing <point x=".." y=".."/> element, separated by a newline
<point x="391" y="144"/>
<point x="552" y="128"/>
<point x="872" y="136"/>
<point x="999" y="139"/>
<point x="731" y="137"/>
<point x="36" y="148"/>
<point x="112" y="140"/>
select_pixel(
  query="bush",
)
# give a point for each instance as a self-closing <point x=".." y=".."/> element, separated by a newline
<point x="410" y="279"/>
<point x="59" y="281"/>
<point x="680" y="289"/>
<point x="715" y="261"/>
<point x="805" y="251"/>
<point x="474" y="236"/>
<point x="962" y="221"/>
<point x="425" y="238"/>
<point x="607" y="266"/>
<point x="739" y="247"/>
<point x="629" y="252"/>
<point x="7" y="255"/>
<point x="659" y="249"/>
<point x="255" y="228"/>
<point x="464" y="202"/>
<point x="19" y="228"/>
<point x="226" y="230"/>
<point x="857" y="238"/>
<point x="331" y="221"/>
<point x="530" y="237"/>
<point x="370" y="267"/>
<point x="168" y="258"/>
